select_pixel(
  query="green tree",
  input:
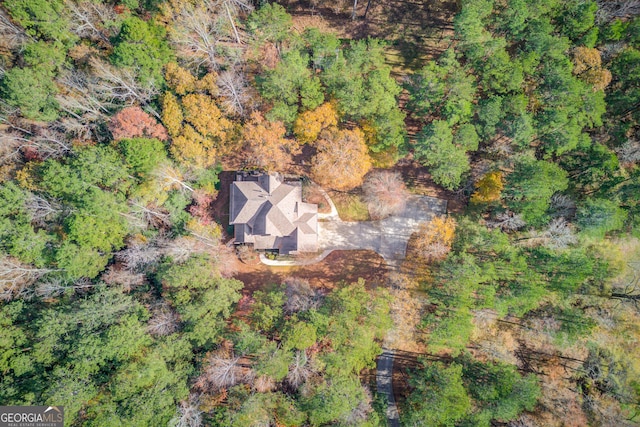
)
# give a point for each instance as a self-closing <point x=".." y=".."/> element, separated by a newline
<point x="267" y="311"/>
<point x="142" y="155"/>
<point x="42" y="18"/>
<point x="577" y="21"/>
<point x="451" y="330"/>
<point x="201" y="297"/>
<point x="270" y="23"/>
<point x="333" y="400"/>
<point x="97" y="223"/>
<point x="597" y="217"/>
<point x="33" y="91"/>
<point x="49" y="57"/>
<point x="435" y="149"/>
<point x="288" y="85"/>
<point x="498" y="389"/>
<point x="299" y="335"/>
<point x="439" y="397"/>
<point x="528" y="189"/>
<point x="142" y="45"/>
<point x="17" y="236"/>
<point x="361" y="82"/>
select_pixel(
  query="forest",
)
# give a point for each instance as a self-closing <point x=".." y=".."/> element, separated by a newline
<point x="121" y="300"/>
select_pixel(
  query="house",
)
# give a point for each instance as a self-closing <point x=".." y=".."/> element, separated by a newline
<point x="269" y="213"/>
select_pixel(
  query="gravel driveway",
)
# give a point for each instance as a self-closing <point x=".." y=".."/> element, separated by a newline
<point x="387" y="237"/>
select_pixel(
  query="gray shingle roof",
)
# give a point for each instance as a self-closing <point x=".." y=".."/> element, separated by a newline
<point x="271" y="214"/>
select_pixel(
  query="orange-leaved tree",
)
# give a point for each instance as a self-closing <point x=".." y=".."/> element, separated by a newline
<point x="342" y="159"/>
<point x="588" y="67"/>
<point x="309" y="124"/>
<point x="434" y="239"/>
<point x="265" y="144"/>
<point x="488" y="188"/>
<point x="133" y="122"/>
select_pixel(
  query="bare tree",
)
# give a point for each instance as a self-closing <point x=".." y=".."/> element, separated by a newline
<point x="562" y="205"/>
<point x="264" y="383"/>
<point x="300" y="295"/>
<point x="149" y="215"/>
<point x="171" y="178"/>
<point x="12" y="36"/>
<point x="629" y="152"/>
<point x="507" y="221"/>
<point x="189" y="414"/>
<point x="524" y="420"/>
<point x="609" y="50"/>
<point x="16" y="278"/>
<point x="127" y="279"/>
<point x="50" y="143"/>
<point x="220" y="373"/>
<point x="433" y="250"/>
<point x="119" y="86"/>
<point x="57" y="286"/>
<point x="92" y="20"/>
<point x="384" y="193"/>
<point x="41" y="209"/>
<point x="557" y="235"/>
<point x="44" y="143"/>
<point x="137" y="257"/>
<point x="200" y="35"/>
<point x="79" y="98"/>
<point x="609" y="10"/>
<point x="232" y="9"/>
<point x="234" y="90"/>
<point x="360" y="413"/>
<point x="11" y="145"/>
<point x="164" y="322"/>
<point x="299" y="370"/>
<point x="501" y="147"/>
<point x="182" y="248"/>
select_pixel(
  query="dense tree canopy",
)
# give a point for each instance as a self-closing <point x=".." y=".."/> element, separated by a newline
<point x="120" y="300"/>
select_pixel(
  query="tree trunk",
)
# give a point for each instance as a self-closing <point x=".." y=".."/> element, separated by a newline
<point x="353" y="14"/>
<point x="233" y="25"/>
<point x="631" y="297"/>
<point x="367" y="9"/>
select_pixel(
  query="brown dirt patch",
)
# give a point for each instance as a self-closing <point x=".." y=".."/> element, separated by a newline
<point x="338" y="267"/>
<point x="416" y="30"/>
<point x="311" y="193"/>
<point x="418" y="180"/>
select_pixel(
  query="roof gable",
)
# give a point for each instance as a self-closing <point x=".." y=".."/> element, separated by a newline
<point x="271" y="212"/>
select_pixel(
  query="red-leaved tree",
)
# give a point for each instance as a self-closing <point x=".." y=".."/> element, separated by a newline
<point x="133" y="122"/>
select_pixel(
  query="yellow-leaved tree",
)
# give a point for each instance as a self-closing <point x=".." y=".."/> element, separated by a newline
<point x="180" y="79"/>
<point x="265" y="144"/>
<point x="488" y="188"/>
<point x="200" y="132"/>
<point x="342" y="159"/>
<point x="309" y="124"/>
<point x="433" y="240"/>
